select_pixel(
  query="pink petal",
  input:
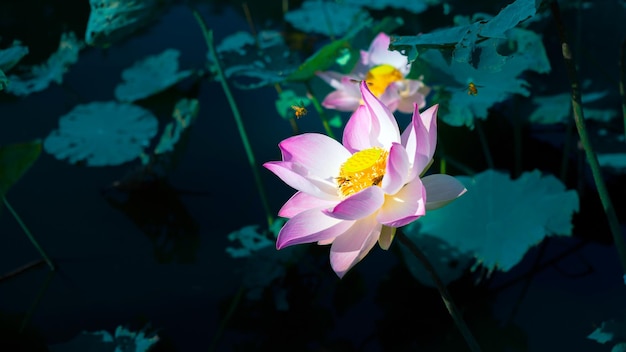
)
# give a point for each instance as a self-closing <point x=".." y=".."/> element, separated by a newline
<point x="356" y="134"/>
<point x="384" y="126"/>
<point x="341" y="100"/>
<point x="317" y="153"/>
<point x="353" y="245"/>
<point x="300" y="202"/>
<point x="379" y="54"/>
<point x="420" y="139"/>
<point x="292" y="174"/>
<point x="310" y="226"/>
<point x="416" y="95"/>
<point x="397" y="170"/>
<point x="405" y="206"/>
<point x="441" y="190"/>
<point x="358" y="205"/>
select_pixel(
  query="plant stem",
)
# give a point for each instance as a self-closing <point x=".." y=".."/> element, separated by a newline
<point x="28" y="233"/>
<point x="231" y="310"/>
<point x="622" y="78"/>
<point x="584" y="139"/>
<point x="22" y="269"/>
<point x="443" y="291"/>
<point x="484" y="144"/>
<point x="319" y="109"/>
<point x="208" y="37"/>
<point x="33" y="306"/>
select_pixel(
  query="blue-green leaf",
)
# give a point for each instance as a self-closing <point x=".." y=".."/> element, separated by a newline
<point x="15" y="159"/>
<point x="325" y="17"/>
<point x="495" y="76"/>
<point x="102" y="133"/>
<point x="498" y="220"/>
<point x="123" y="340"/>
<point x="185" y="113"/>
<point x="53" y="70"/>
<point x="10" y="56"/>
<point x="112" y="20"/>
<point x="286" y="100"/>
<point x="150" y="76"/>
<point x="414" y="6"/>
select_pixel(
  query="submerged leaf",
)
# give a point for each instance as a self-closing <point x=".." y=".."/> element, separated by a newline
<point x="414" y="6"/>
<point x="250" y="63"/>
<point x="498" y="220"/>
<point x="53" y="70"/>
<point x="102" y="133"/>
<point x="3" y="80"/>
<point x="123" y="340"/>
<point x="112" y="20"/>
<point x="150" y="76"/>
<point x="185" y="113"/>
<point x="10" y="56"/>
<point x="15" y="159"/>
<point x="287" y="99"/>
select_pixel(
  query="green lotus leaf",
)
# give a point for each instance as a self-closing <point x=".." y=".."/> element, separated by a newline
<point x="498" y="220"/>
<point x="102" y="133"/>
<point x="15" y="159"/>
<point x="150" y="76"/>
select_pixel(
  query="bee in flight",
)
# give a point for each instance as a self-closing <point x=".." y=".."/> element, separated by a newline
<point x="472" y="89"/>
<point x="299" y="110"/>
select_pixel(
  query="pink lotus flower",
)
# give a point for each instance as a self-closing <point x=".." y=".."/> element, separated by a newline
<point x="356" y="194"/>
<point x="385" y="72"/>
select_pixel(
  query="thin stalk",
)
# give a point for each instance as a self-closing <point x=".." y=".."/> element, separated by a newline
<point x="319" y="109"/>
<point x="567" y="146"/>
<point x="208" y="37"/>
<point x="22" y="269"/>
<point x="231" y="310"/>
<point x="622" y="78"/>
<point x="28" y="233"/>
<point x="584" y="139"/>
<point x="33" y="306"/>
<point x="484" y="144"/>
<point x="443" y="291"/>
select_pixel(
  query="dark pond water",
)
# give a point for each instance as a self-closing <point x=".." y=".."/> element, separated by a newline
<point x="154" y="252"/>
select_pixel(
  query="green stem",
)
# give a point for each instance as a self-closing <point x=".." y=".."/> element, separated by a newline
<point x="484" y="144"/>
<point x="33" y="306"/>
<point x="584" y="139"/>
<point x="231" y="310"/>
<point x="320" y="110"/>
<point x="443" y="291"/>
<point x="622" y="78"/>
<point x="208" y="37"/>
<point x="28" y="233"/>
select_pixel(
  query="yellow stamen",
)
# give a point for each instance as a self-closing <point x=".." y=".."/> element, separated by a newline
<point x="363" y="169"/>
<point x="379" y="77"/>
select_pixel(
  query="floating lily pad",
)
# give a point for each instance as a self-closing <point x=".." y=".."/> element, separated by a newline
<point x="150" y="76"/>
<point x="53" y="70"/>
<point x="15" y="159"/>
<point x="112" y="20"/>
<point x="102" y="133"/>
<point x="498" y="220"/>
